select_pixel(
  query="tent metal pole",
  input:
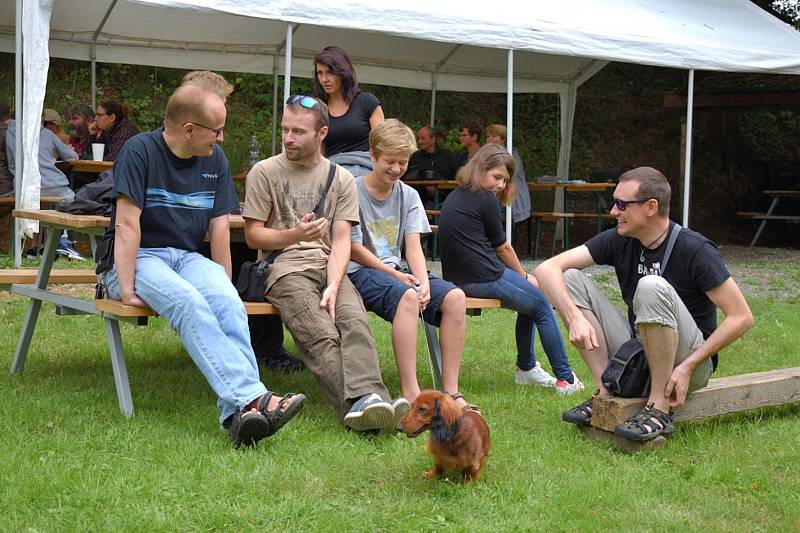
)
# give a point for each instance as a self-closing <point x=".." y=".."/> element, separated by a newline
<point x="274" y="102"/>
<point x="93" y="51"/>
<point x="509" y="130"/>
<point x="275" y="65"/>
<point x="434" y="79"/>
<point x="19" y="157"/>
<point x="287" y="73"/>
<point x="687" y="166"/>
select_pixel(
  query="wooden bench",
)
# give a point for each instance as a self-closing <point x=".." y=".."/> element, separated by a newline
<point x="544" y="216"/>
<point x="731" y="394"/>
<point x="27" y="276"/>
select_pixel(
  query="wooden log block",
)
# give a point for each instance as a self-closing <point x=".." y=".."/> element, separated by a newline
<point x="722" y="395"/>
<point x="630" y="446"/>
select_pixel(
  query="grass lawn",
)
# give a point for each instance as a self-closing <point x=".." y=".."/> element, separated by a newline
<point x="71" y="462"/>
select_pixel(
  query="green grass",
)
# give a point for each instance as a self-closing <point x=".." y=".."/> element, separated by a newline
<point x="71" y="462"/>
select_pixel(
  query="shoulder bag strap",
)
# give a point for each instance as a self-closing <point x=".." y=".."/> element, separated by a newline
<point x="673" y="236"/>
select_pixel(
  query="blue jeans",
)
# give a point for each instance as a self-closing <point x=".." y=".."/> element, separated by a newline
<point x="199" y="301"/>
<point x="532" y="309"/>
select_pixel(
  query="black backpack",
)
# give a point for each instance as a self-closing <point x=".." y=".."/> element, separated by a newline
<point x="93" y="198"/>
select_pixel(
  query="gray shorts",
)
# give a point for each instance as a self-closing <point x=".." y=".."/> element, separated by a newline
<point x="655" y="302"/>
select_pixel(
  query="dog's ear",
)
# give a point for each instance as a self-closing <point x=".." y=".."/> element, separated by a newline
<point x="444" y="422"/>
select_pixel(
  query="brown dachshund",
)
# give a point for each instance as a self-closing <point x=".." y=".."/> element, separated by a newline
<point x="458" y="441"/>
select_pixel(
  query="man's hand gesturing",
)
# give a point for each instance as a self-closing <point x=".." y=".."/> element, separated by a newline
<point x="311" y="229"/>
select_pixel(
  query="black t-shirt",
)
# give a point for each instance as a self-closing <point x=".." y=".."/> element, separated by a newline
<point x="350" y="132"/>
<point x="694" y="268"/>
<point x="178" y="197"/>
<point x="469" y="231"/>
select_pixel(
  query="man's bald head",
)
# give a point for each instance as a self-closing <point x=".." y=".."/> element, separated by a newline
<point x="192" y="102"/>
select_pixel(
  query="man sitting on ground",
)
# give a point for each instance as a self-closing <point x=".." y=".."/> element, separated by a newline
<point x="392" y="218"/>
<point x="672" y="309"/>
<point x="302" y="205"/>
<point x="172" y="187"/>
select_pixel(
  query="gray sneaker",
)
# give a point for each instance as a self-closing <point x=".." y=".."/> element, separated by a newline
<point x="370" y="412"/>
<point x="401" y="408"/>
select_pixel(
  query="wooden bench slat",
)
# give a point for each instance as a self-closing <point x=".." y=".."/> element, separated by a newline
<point x="730" y="394"/>
<point x="253" y="308"/>
<point x="27" y="276"/>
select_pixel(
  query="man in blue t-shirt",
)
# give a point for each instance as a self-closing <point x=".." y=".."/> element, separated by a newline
<point x="672" y="304"/>
<point x="172" y="187"/>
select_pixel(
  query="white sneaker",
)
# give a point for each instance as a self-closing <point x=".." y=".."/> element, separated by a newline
<point x="536" y="376"/>
<point x="563" y="387"/>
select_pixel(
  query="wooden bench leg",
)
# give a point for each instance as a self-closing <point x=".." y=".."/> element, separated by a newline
<point x="118" y="365"/>
<point x="432" y="338"/>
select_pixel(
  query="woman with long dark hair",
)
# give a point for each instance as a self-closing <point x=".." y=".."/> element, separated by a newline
<point x="353" y="112"/>
<point x="114" y="128"/>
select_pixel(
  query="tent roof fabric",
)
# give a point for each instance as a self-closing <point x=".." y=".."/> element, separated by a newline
<point x="401" y="43"/>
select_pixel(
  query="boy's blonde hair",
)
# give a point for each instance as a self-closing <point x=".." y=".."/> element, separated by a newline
<point x="210" y="80"/>
<point x="392" y="137"/>
<point x="489" y="157"/>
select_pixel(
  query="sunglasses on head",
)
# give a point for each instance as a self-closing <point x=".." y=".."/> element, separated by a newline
<point x="622" y="204"/>
<point x="306" y="101"/>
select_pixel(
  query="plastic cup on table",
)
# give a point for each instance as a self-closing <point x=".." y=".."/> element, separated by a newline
<point x="97" y="151"/>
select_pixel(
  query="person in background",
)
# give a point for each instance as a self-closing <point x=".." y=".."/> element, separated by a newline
<point x="6" y="177"/>
<point x="521" y="208"/>
<point x="470" y="139"/>
<point x="52" y="121"/>
<point x="477" y="257"/>
<point x="114" y="127"/>
<point x="353" y="112"/>
<point x="80" y="120"/>
<point x="266" y="331"/>
<point x="430" y="162"/>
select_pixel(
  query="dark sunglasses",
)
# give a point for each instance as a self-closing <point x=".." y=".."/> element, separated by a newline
<point x="217" y="131"/>
<point x="622" y="204"/>
<point x="306" y="101"/>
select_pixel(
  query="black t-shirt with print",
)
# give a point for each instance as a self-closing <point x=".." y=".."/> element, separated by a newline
<point x="694" y="268"/>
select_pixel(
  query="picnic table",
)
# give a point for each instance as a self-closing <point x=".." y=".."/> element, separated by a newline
<point x="9" y="202"/>
<point x="82" y="166"/>
<point x="777" y="196"/>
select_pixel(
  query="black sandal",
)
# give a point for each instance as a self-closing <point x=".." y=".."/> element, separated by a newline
<point x="289" y="406"/>
<point x="458" y="396"/>
<point x="648" y="424"/>
<point x="581" y="414"/>
<point x="247" y="428"/>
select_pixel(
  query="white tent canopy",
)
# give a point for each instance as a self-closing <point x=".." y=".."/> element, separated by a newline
<point x="447" y="45"/>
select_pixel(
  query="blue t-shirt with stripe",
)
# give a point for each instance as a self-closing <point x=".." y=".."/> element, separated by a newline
<point x="178" y="197"/>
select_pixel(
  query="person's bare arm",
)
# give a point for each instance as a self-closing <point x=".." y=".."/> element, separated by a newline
<point x="419" y="268"/>
<point x="738" y="319"/>
<point x="550" y="275"/>
<point x="376" y="117"/>
<point x="127" y="236"/>
<point x="337" y="265"/>
<point x="219" y="238"/>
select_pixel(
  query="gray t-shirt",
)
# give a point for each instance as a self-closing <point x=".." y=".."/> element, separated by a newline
<point x="385" y="223"/>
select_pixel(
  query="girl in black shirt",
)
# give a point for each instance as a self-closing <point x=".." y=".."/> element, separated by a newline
<point x="477" y="257"/>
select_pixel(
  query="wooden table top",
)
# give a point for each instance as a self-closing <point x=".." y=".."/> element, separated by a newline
<point x="236" y="222"/>
<point x="572" y="187"/>
<point x="86" y="165"/>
